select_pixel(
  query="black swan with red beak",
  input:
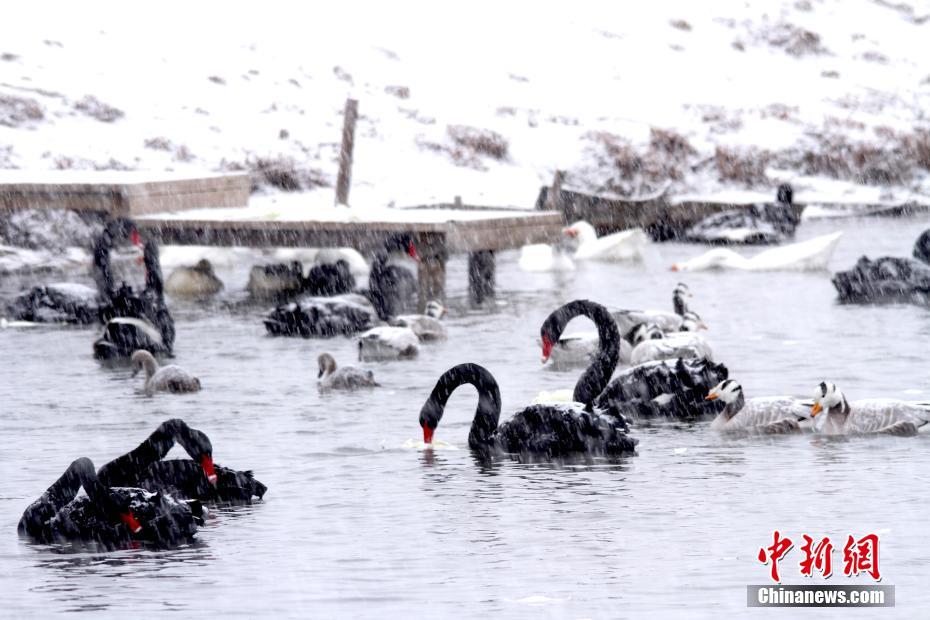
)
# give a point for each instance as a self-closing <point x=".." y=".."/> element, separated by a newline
<point x="195" y="478"/>
<point x="132" y="321"/>
<point x="540" y="430"/>
<point x="669" y="389"/>
<point x="111" y="517"/>
<point x="596" y="376"/>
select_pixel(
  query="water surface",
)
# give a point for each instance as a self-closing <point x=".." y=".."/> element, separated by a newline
<point x="356" y="525"/>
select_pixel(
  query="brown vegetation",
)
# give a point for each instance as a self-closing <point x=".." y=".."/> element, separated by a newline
<point x="16" y="111"/>
<point x="94" y="108"/>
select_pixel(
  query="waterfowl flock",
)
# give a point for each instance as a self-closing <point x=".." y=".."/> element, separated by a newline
<point x="636" y="367"/>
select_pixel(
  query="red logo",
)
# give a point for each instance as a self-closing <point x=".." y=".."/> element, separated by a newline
<point x="859" y="556"/>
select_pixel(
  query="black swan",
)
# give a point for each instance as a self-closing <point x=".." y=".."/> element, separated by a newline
<point x="603" y="362"/>
<point x="111" y="517"/>
<point x="131" y="321"/>
<point x="195" y="478"/>
<point x="673" y="388"/>
<point x="391" y="288"/>
<point x="541" y="430"/>
<point x="888" y="279"/>
<point x="665" y="389"/>
<point x="321" y="317"/>
<point x="758" y="224"/>
<point x="283" y="282"/>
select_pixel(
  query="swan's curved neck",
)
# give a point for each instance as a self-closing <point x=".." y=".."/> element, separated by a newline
<point x="126" y="470"/>
<point x="678" y="301"/>
<point x="596" y="377"/>
<point x="103" y="272"/>
<point x="489" y="403"/>
<point x="80" y="473"/>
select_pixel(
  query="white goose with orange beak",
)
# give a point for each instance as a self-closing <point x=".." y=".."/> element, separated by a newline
<point x="866" y="417"/>
<point x="770" y="414"/>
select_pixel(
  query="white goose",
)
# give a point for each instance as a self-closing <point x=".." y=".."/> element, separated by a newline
<point x="539" y="257"/>
<point x="771" y="414"/>
<point x="622" y="246"/>
<point x="388" y="343"/>
<point x="811" y="255"/>
<point x="866" y="417"/>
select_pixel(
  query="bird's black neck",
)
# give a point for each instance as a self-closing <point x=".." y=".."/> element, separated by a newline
<point x="595" y="378"/>
<point x="127" y="469"/>
<point x="81" y="473"/>
<point x="678" y="301"/>
<point x="489" y="401"/>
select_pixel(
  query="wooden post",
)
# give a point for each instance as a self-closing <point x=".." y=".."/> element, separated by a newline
<point x="481" y="276"/>
<point x="457" y="203"/>
<point x="345" y="156"/>
<point x="554" y="197"/>
<point x="431" y="272"/>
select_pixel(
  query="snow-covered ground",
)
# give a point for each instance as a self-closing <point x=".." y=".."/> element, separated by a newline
<point x="626" y="97"/>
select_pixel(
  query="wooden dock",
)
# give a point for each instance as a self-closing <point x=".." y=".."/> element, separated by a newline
<point x="437" y="233"/>
<point x="119" y="193"/>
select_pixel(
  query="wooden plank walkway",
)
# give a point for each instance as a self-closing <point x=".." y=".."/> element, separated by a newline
<point x="121" y="193"/>
<point x="437" y="234"/>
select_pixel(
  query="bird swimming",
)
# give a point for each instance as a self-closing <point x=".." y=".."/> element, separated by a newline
<point x="865" y="417"/>
<point x="343" y="377"/>
<point x="170" y="378"/>
<point x="549" y="431"/>
<point x="198" y="280"/>
<point x="195" y="478"/>
<point x="888" y="279"/>
<point x="772" y="415"/>
<point x="112" y="517"/>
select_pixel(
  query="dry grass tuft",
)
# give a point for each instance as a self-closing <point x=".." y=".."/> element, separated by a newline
<point x="743" y="166"/>
<point x="94" y="108"/>
<point x="479" y="141"/>
<point x="17" y="111"/>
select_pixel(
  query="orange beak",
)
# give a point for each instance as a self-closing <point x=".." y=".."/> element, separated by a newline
<point x="817" y="408"/>
<point x="712" y="397"/>
<point x="675" y="267"/>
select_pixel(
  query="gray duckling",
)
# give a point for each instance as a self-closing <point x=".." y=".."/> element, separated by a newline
<point x="345" y="378"/>
<point x="171" y="378"/>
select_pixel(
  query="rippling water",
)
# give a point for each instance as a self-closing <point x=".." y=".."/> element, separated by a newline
<point x="355" y="524"/>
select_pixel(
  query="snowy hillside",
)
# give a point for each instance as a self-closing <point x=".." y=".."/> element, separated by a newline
<point x="484" y="100"/>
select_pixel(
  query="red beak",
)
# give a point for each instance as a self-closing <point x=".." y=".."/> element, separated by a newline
<point x="412" y="252"/>
<point x="135" y="238"/>
<point x="131" y="522"/>
<point x="207" y="463"/>
<point x="547" y="348"/>
<point x="427" y="434"/>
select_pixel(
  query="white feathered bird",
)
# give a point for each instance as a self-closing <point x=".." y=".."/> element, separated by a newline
<point x="622" y="246"/>
<point x="388" y="343"/>
<point x="866" y="417"/>
<point x="770" y="414"/>
<point x="811" y="255"/>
